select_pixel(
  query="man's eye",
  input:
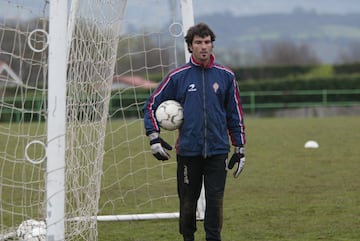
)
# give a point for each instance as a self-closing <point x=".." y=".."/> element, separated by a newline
<point x="205" y="42"/>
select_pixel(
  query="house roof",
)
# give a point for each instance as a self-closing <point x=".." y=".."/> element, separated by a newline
<point x="8" y="77"/>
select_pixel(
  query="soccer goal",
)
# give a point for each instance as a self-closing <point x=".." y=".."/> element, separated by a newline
<point x="74" y="76"/>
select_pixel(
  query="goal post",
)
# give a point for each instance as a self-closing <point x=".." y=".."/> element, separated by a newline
<point x="187" y="13"/>
<point x="56" y="122"/>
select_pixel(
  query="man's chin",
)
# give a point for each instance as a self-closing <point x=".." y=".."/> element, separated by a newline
<point x="204" y="57"/>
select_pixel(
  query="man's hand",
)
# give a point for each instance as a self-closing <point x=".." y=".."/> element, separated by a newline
<point x="157" y="146"/>
<point x="237" y="158"/>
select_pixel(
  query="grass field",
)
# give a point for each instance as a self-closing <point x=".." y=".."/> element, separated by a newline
<point x="286" y="192"/>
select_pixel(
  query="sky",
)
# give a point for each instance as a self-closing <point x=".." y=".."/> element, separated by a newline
<point x="255" y="7"/>
<point x="236" y="7"/>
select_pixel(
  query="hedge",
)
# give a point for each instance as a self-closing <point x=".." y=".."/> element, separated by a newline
<point x="281" y="72"/>
<point x="334" y="83"/>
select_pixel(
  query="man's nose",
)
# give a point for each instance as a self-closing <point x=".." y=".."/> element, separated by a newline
<point x="203" y="45"/>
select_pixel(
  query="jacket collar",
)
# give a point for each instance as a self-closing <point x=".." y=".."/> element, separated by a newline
<point x="210" y="64"/>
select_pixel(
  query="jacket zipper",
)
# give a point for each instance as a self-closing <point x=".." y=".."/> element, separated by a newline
<point x="204" y="112"/>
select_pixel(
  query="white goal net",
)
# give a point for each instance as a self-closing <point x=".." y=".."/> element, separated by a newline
<point x="116" y="53"/>
<point x="23" y="93"/>
<point x="134" y="182"/>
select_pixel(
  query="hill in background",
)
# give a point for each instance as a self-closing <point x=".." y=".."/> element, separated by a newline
<point x="328" y="35"/>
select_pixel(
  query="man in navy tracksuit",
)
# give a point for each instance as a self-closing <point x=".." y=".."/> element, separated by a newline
<point x="209" y="95"/>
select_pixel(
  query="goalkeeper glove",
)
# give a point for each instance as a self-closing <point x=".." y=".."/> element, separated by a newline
<point x="157" y="146"/>
<point x="237" y="158"/>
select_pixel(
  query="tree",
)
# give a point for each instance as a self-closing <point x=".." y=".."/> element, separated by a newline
<point x="352" y="55"/>
<point x="287" y="53"/>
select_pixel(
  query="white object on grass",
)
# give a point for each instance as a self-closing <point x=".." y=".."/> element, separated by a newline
<point x="311" y="144"/>
<point x="32" y="230"/>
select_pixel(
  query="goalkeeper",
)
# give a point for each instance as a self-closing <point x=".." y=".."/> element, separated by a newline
<point x="209" y="95"/>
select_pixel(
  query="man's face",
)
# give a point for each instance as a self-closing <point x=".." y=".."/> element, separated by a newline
<point x="201" y="48"/>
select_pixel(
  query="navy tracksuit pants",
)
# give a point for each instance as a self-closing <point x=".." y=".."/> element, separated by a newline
<point x="191" y="172"/>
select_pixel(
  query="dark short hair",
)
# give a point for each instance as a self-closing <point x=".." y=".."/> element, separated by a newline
<point x="200" y="29"/>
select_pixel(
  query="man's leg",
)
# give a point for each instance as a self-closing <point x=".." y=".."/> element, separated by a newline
<point x="214" y="182"/>
<point x="189" y="180"/>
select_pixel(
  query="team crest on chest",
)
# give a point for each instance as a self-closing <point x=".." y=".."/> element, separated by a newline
<point x="215" y="87"/>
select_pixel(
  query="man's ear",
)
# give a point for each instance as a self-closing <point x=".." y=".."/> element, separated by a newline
<point x="190" y="48"/>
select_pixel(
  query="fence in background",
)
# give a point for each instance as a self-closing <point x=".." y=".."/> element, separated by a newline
<point x="253" y="102"/>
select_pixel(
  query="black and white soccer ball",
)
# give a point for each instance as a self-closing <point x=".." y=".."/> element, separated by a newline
<point x="31" y="230"/>
<point x="169" y="114"/>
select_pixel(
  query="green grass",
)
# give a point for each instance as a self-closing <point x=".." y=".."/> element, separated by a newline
<point x="286" y="192"/>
